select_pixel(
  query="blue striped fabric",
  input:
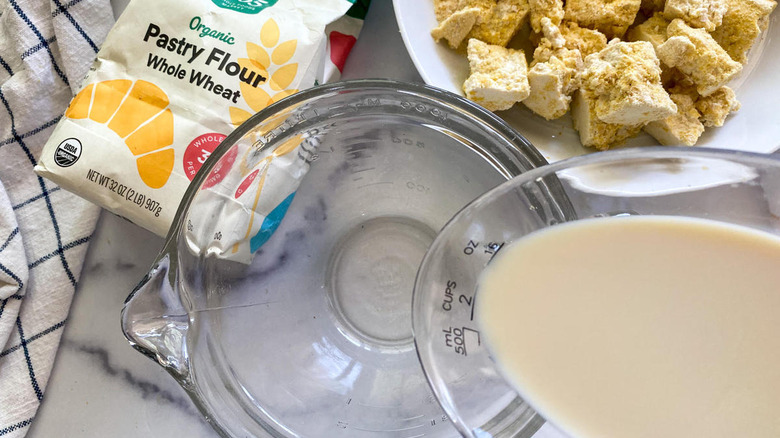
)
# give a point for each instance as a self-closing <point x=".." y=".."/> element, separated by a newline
<point x="26" y="18"/>
<point x="64" y="10"/>
<point x="34" y="49"/>
<point x="6" y="66"/>
<point x="46" y="46"/>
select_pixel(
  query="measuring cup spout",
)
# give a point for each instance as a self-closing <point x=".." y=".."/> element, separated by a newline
<point x="154" y="320"/>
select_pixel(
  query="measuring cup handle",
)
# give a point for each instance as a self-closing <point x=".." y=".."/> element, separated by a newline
<point x="154" y="320"/>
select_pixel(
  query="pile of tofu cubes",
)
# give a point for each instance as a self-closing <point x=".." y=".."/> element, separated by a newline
<point x="621" y="66"/>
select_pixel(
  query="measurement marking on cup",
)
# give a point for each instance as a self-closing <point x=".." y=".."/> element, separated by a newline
<point x="459" y="338"/>
<point x="375" y="183"/>
<point x="489" y="248"/>
<point x="418" y="187"/>
<point x="446" y="304"/>
<point x="363" y="170"/>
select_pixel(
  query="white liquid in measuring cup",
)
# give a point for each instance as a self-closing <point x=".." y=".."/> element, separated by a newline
<point x="639" y="327"/>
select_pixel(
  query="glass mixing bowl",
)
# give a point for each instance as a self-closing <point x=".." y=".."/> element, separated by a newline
<point x="301" y="326"/>
<point x="727" y="186"/>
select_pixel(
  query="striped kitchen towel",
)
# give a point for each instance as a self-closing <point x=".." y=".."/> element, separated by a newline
<point x="46" y="48"/>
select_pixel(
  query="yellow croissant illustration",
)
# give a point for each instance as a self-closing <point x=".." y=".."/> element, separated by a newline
<point x="138" y="113"/>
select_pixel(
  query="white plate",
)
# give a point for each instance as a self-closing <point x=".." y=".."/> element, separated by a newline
<point x="755" y="128"/>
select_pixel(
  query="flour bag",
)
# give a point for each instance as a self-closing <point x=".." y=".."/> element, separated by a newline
<point x="172" y="79"/>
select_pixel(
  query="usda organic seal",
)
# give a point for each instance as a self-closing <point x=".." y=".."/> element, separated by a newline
<point x="68" y="152"/>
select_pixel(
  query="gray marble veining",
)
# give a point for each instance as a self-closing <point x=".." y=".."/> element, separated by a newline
<point x="147" y="389"/>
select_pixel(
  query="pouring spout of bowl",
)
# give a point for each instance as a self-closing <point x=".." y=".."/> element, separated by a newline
<point x="154" y="320"/>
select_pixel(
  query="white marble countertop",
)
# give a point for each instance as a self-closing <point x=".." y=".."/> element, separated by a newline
<point x="100" y="386"/>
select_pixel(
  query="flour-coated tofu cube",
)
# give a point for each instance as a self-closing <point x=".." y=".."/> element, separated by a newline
<point x="610" y="17"/>
<point x="455" y="27"/>
<point x="552" y="9"/>
<point x="551" y="34"/>
<point x="505" y="19"/>
<point x="717" y="106"/>
<point x="594" y="132"/>
<point x="680" y="129"/>
<point x="499" y="76"/>
<point x="625" y="82"/>
<point x="553" y="43"/>
<point x="585" y="40"/>
<point x="485" y="7"/>
<point x="652" y="30"/>
<point x="706" y="14"/>
<point x="444" y="8"/>
<point x="696" y="54"/>
<point x="742" y="23"/>
<point x="552" y="83"/>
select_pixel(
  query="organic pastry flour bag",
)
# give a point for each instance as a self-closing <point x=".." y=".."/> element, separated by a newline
<point x="172" y="78"/>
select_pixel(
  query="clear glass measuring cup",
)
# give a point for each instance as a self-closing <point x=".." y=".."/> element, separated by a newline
<point x="301" y="326"/>
<point x="721" y="185"/>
